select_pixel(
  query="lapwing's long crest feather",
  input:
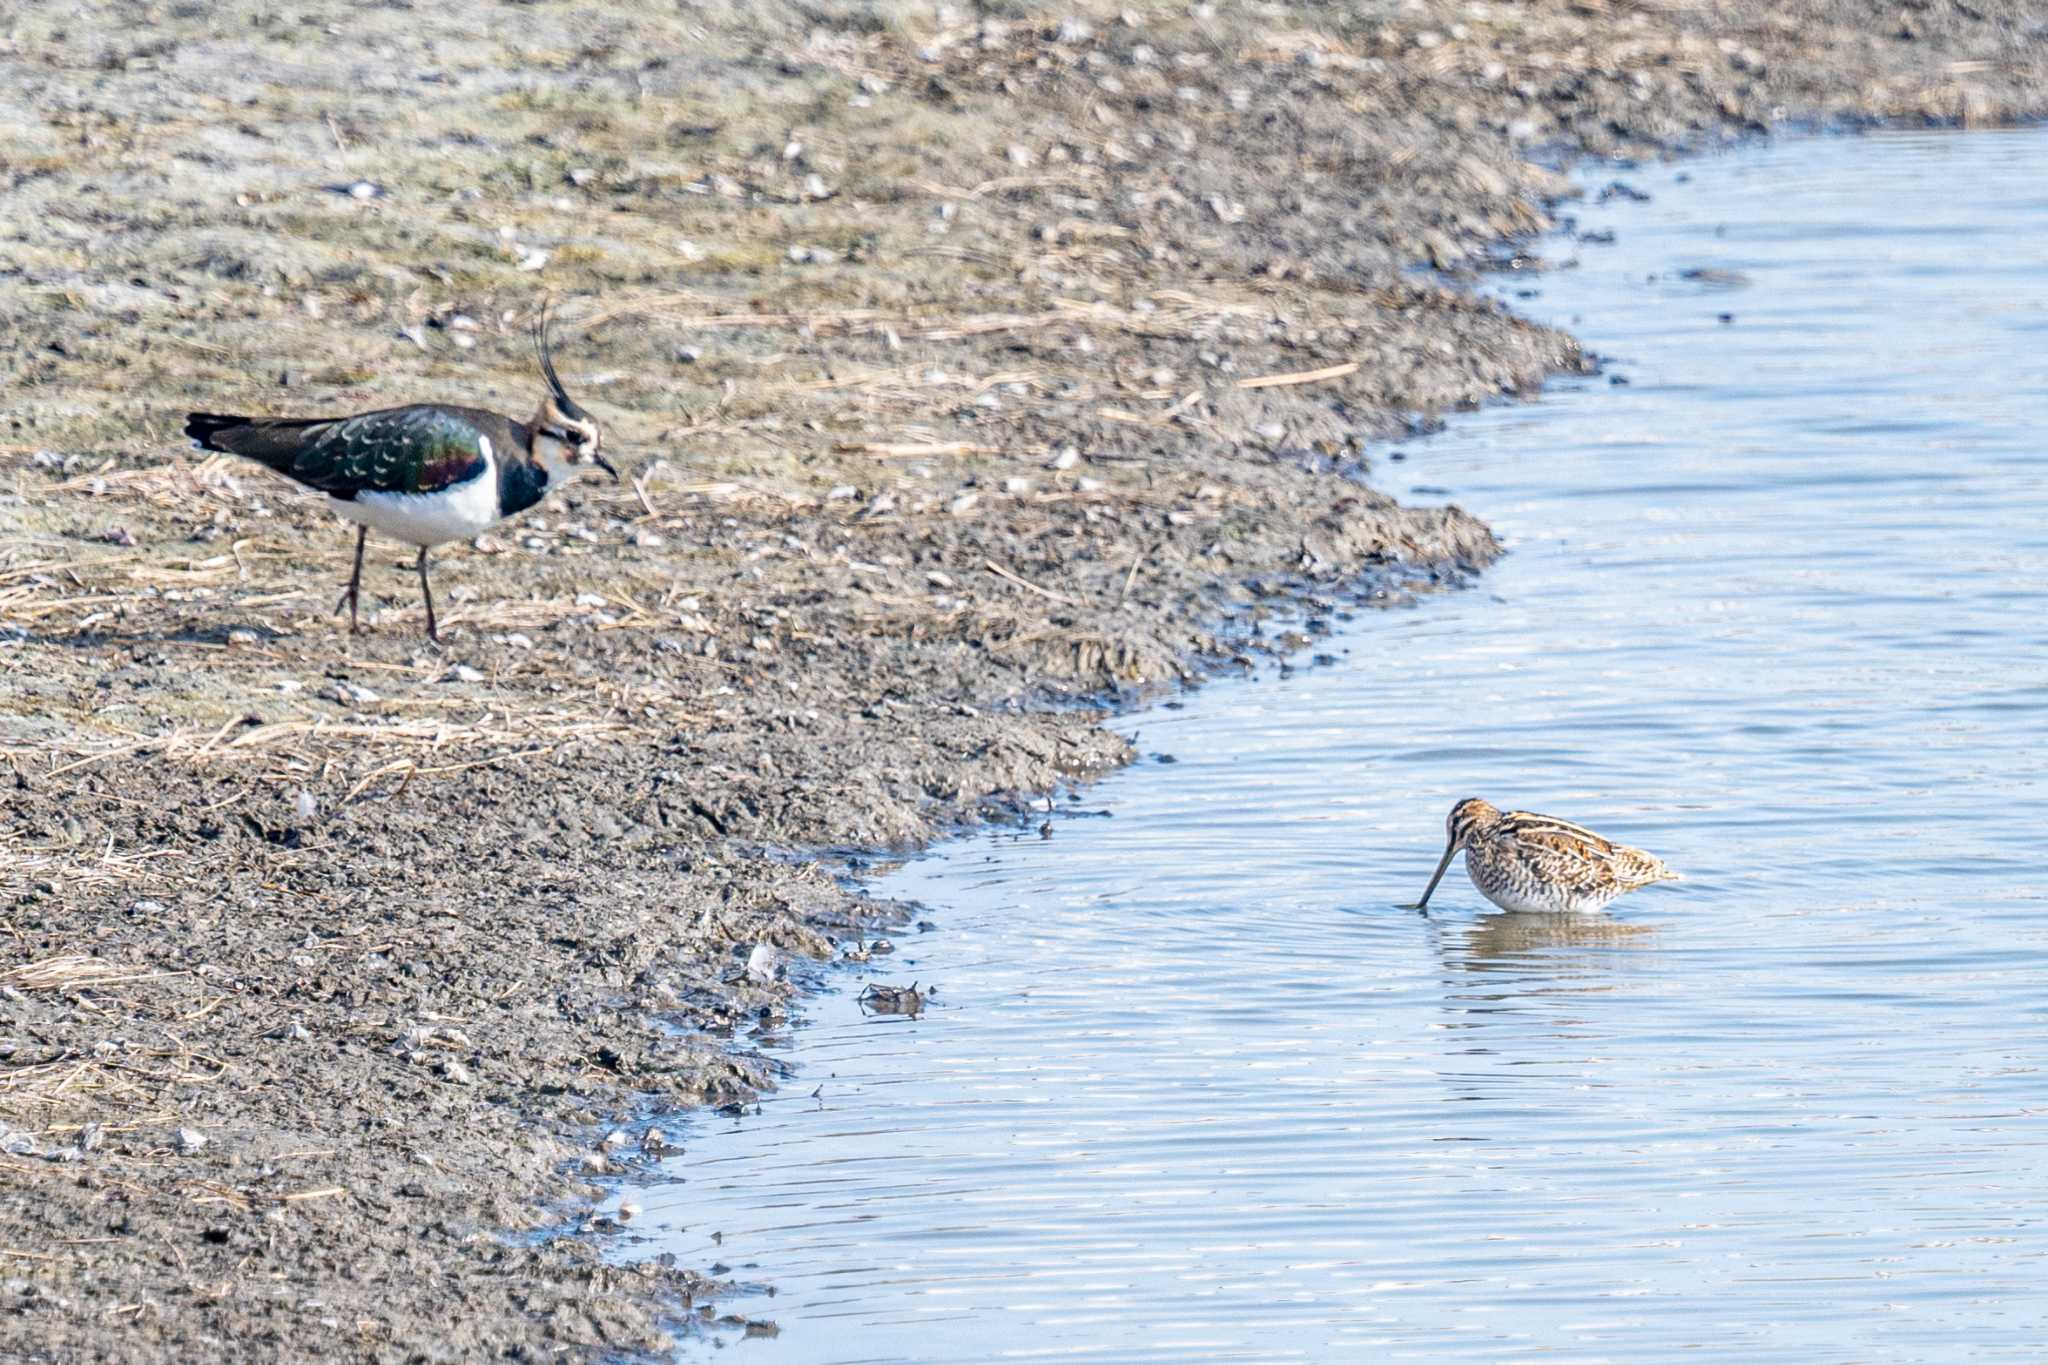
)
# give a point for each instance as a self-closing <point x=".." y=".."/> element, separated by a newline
<point x="547" y="359"/>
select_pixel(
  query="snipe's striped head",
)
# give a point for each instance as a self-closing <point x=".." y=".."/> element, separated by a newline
<point x="1468" y="820"/>
<point x="565" y="436"/>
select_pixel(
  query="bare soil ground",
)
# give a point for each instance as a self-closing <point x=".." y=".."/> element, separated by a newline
<point x="973" y="368"/>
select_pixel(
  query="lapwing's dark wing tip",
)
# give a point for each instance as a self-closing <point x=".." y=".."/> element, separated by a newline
<point x="202" y="427"/>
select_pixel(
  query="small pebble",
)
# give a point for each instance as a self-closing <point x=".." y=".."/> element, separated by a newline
<point x="188" y="1141"/>
<point x="348" y="693"/>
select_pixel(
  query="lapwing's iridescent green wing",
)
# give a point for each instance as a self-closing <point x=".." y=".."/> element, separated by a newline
<point x="398" y="450"/>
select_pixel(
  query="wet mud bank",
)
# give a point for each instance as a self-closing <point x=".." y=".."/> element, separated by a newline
<point x="970" y="367"/>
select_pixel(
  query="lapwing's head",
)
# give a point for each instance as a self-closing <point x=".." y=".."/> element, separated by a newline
<point x="565" y="436"/>
<point x="1467" y="819"/>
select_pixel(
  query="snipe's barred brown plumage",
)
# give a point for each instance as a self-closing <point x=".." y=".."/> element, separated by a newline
<point x="1523" y="861"/>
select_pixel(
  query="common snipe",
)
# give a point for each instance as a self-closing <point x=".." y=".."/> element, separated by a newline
<point x="1523" y="861"/>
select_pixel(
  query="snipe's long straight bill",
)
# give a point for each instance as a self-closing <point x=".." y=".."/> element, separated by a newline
<point x="1450" y="851"/>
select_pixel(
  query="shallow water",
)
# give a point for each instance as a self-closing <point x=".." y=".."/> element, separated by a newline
<point x="1194" y="1089"/>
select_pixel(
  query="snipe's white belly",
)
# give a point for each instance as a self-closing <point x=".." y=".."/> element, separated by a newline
<point x="1540" y="898"/>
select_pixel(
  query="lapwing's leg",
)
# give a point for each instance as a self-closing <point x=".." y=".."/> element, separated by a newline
<point x="355" y="581"/>
<point x="428" y="589"/>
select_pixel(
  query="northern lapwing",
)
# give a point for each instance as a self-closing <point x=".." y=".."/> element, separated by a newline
<point x="426" y="474"/>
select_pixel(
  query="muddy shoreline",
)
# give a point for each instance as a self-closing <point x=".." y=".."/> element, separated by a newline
<point x="972" y="369"/>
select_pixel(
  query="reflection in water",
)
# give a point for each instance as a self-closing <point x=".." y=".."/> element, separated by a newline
<point x="1191" y="1088"/>
<point x="1531" y="973"/>
<point x="1546" y="944"/>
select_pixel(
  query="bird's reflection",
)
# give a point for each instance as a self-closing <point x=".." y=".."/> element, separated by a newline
<point x="1524" y="994"/>
<point x="1553" y="946"/>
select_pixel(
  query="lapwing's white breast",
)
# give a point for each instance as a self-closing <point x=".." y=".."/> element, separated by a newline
<point x="454" y="513"/>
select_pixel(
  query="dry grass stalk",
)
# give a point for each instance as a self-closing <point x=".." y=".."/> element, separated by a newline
<point x="83" y="869"/>
<point x="911" y="450"/>
<point x="1025" y="583"/>
<point x="73" y="972"/>
<point x="1274" y="381"/>
<point x="432" y="735"/>
<point x="171" y="485"/>
<point x="47" y="1083"/>
<point x="203" y="746"/>
<point x="1172" y="310"/>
